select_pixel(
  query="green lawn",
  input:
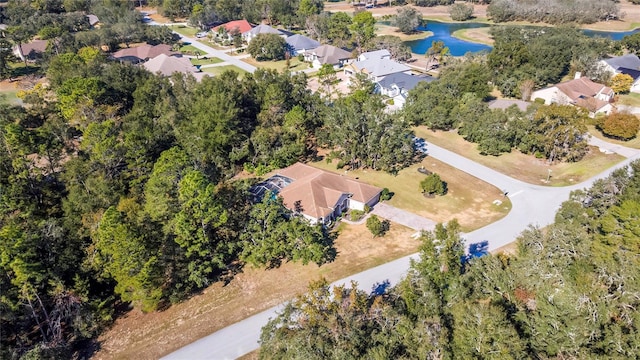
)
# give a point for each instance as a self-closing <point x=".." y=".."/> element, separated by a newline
<point x="9" y="97"/>
<point x="217" y="70"/>
<point x="631" y="99"/>
<point x="190" y="50"/>
<point x="469" y="199"/>
<point x="206" y="61"/>
<point x="185" y="30"/>
<point x="294" y="64"/>
<point x="633" y="143"/>
<point x="525" y="167"/>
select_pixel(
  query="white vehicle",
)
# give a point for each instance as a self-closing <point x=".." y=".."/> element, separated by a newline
<point x="201" y="34"/>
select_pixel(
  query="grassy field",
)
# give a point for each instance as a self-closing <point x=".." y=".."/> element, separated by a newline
<point x="206" y="61"/>
<point x="157" y="334"/>
<point x="294" y="64"/>
<point x="217" y="70"/>
<point x="633" y="143"/>
<point x="190" y="50"/>
<point x="184" y="30"/>
<point x="469" y="199"/>
<point x="631" y="99"/>
<point x="477" y="35"/>
<point x="9" y="97"/>
<point x="525" y="167"/>
<point x="382" y="29"/>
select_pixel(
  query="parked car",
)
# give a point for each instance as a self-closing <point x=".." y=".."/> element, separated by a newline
<point x="201" y="34"/>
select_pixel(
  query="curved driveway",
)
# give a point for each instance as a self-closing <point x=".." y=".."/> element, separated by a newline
<point x="531" y="204"/>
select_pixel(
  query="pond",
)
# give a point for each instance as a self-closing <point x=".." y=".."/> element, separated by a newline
<point x="457" y="47"/>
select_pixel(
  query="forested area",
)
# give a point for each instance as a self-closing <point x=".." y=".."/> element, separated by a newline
<point x="570" y="291"/>
<point x="554" y="11"/>
<point x="117" y="186"/>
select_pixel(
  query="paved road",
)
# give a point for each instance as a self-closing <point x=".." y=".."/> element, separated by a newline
<point x="532" y="204"/>
<point x="209" y="51"/>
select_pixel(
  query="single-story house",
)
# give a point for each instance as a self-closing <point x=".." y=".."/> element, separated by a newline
<point x="375" y="55"/>
<point x="582" y="92"/>
<point x="30" y="51"/>
<point x="320" y="196"/>
<point x="398" y="85"/>
<point x="504" y="104"/>
<point x="328" y="54"/>
<point x="142" y="53"/>
<point x="376" y="69"/>
<point x="300" y="44"/>
<point x="93" y="20"/>
<point x="627" y="64"/>
<point x="227" y="30"/>
<point x="261" y="29"/>
<point x="167" y="65"/>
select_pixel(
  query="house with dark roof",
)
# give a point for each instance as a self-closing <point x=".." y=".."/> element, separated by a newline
<point x="328" y="54"/>
<point x="627" y="64"/>
<point x="261" y="29"/>
<point x="31" y="51"/>
<point x="143" y="53"/>
<point x="320" y="196"/>
<point x="398" y="85"/>
<point x="582" y="92"/>
<point x="300" y="44"/>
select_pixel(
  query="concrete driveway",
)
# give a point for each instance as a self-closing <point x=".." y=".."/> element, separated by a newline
<point x="403" y="217"/>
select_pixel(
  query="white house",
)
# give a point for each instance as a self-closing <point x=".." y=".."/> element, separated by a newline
<point x="581" y="91"/>
<point x="375" y="55"/>
<point x="627" y="64"/>
<point x="328" y="54"/>
<point x="398" y="85"/>
<point x="376" y="69"/>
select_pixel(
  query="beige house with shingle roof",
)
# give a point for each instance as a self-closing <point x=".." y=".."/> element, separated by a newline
<point x="322" y="195"/>
<point x="582" y="92"/>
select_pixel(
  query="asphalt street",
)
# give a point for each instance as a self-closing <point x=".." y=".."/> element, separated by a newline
<point x="531" y="205"/>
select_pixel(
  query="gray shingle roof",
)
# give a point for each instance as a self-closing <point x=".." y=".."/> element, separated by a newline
<point x="635" y="74"/>
<point x="263" y="29"/>
<point x="506" y="103"/>
<point x="629" y="61"/>
<point x="329" y="54"/>
<point x="301" y="42"/>
<point x="380" y="67"/>
<point x="404" y="81"/>
<point x="377" y="54"/>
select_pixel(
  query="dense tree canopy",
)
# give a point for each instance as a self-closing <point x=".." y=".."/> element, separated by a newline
<point x="569" y="291"/>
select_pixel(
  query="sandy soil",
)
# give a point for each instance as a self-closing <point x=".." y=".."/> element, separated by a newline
<point x="150" y="336"/>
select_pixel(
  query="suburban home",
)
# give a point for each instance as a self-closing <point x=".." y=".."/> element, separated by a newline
<point x="627" y="64"/>
<point x="167" y="65"/>
<point x="328" y="54"/>
<point x="504" y="104"/>
<point x="320" y="196"/>
<point x="582" y="92"/>
<point x="227" y="30"/>
<point x="142" y="53"/>
<point x="93" y="20"/>
<point x="398" y="85"/>
<point x="376" y="69"/>
<point x="261" y="29"/>
<point x="375" y="55"/>
<point x="300" y="44"/>
<point x="31" y="51"/>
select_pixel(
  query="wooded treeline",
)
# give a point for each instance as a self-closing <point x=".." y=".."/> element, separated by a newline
<point x="570" y="291"/>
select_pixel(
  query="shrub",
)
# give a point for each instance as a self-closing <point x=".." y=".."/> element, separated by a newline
<point x="340" y="164"/>
<point x="433" y="184"/>
<point x="620" y="126"/>
<point x="377" y="227"/>
<point x="386" y="194"/>
<point x="356" y="215"/>
<point x="461" y="12"/>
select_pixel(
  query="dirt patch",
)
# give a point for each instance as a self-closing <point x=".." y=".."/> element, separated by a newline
<point x="338" y="89"/>
<point x="150" y="336"/>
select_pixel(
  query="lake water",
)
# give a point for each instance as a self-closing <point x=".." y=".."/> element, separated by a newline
<point x="442" y="31"/>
